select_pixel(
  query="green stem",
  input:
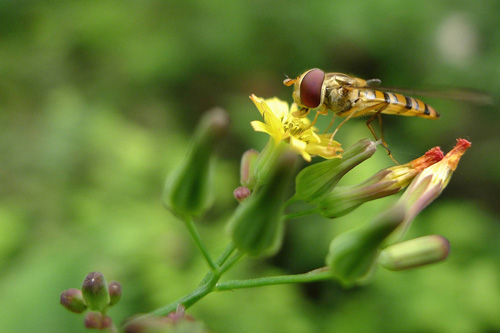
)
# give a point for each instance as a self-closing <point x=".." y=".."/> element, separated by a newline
<point x="212" y="285"/>
<point x="234" y="259"/>
<point x="197" y="239"/>
<point x="220" y="261"/>
<point x="226" y="254"/>
<point x="312" y="276"/>
<point x="186" y="301"/>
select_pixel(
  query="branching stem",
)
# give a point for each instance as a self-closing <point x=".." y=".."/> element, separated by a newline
<point x="193" y="231"/>
<point x="312" y="276"/>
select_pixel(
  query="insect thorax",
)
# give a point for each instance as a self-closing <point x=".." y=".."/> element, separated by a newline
<point x="337" y="98"/>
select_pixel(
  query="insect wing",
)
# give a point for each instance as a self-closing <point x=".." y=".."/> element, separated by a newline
<point x="457" y="94"/>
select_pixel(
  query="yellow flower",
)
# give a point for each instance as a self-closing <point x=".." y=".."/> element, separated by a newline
<point x="280" y="124"/>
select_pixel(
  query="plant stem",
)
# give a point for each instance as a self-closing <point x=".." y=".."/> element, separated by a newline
<point x="197" y="239"/>
<point x="186" y="301"/>
<point x="319" y="274"/>
<point x="226" y="254"/>
<point x="220" y="261"/>
<point x="233" y="260"/>
<point x="312" y="276"/>
<point x="204" y="288"/>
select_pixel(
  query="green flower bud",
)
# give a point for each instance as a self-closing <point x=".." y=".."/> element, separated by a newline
<point x="72" y="299"/>
<point x="247" y="168"/>
<point x="416" y="252"/>
<point x="353" y="254"/>
<point x="256" y="226"/>
<point x="98" y="321"/>
<point x="115" y="292"/>
<point x="95" y="291"/>
<point x="189" y="189"/>
<point x="266" y="161"/>
<point x="344" y="199"/>
<point x="315" y="181"/>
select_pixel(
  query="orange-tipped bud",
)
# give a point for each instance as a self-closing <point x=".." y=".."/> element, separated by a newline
<point x="428" y="185"/>
<point x="344" y="199"/>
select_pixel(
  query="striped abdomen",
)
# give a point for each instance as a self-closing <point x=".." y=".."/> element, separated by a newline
<point x="399" y="104"/>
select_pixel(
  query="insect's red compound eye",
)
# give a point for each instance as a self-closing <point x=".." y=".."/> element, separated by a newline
<point x="310" y="88"/>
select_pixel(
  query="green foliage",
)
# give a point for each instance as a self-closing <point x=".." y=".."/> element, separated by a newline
<point x="98" y="101"/>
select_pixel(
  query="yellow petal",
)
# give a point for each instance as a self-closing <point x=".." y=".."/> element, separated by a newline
<point x="327" y="152"/>
<point x="306" y="156"/>
<point x="278" y="107"/>
<point x="297" y="144"/>
<point x="300" y="146"/>
<point x="258" y="103"/>
<point x="310" y="136"/>
<point x="259" y="126"/>
<point x="274" y="123"/>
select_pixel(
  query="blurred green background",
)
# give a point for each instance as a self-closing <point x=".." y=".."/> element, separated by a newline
<point x="97" y="103"/>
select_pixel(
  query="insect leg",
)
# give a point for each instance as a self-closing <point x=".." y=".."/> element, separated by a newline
<point x="352" y="112"/>
<point x="331" y="123"/>
<point x="314" y="120"/>
<point x="322" y="111"/>
<point x="301" y="113"/>
<point x="368" y="124"/>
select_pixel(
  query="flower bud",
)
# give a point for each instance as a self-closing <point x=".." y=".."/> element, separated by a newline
<point x="95" y="291"/>
<point x="427" y="186"/>
<point x="256" y="226"/>
<point x="189" y="189"/>
<point x="344" y="199"/>
<point x="413" y="253"/>
<point x="97" y="320"/>
<point x="316" y="180"/>
<point x="353" y="254"/>
<point x="115" y="292"/>
<point x="247" y="168"/>
<point x="72" y="300"/>
<point x="241" y="193"/>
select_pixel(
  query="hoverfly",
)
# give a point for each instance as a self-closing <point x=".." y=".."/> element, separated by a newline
<point x="348" y="96"/>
